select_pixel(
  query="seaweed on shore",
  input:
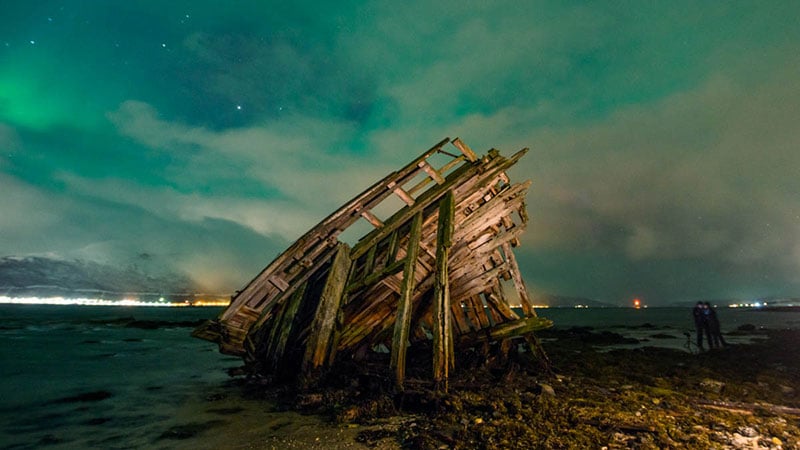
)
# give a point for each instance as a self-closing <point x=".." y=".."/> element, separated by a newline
<point x="743" y="396"/>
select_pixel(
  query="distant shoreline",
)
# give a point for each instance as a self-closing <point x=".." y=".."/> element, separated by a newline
<point x="777" y="309"/>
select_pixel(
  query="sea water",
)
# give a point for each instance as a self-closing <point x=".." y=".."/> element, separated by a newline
<point x="77" y="377"/>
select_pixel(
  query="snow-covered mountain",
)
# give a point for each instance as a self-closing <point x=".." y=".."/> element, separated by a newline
<point x="43" y="276"/>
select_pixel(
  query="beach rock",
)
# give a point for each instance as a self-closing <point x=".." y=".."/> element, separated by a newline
<point x="712" y="385"/>
<point x="747" y="431"/>
<point x="663" y="336"/>
<point x="547" y="390"/>
<point x="739" y="441"/>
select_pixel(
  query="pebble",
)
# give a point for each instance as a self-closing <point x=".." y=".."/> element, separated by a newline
<point x="747" y="431"/>
<point x="712" y="385"/>
<point x="547" y="390"/>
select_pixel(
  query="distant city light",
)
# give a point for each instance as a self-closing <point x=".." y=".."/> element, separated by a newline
<point x="103" y="302"/>
<point x="80" y="301"/>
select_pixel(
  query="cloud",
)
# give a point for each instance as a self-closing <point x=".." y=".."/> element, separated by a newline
<point x="9" y="140"/>
<point x="301" y="167"/>
<point x="28" y="212"/>
<point x="661" y="136"/>
<point x="704" y="176"/>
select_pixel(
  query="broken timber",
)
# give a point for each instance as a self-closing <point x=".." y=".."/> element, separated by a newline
<point x="432" y="271"/>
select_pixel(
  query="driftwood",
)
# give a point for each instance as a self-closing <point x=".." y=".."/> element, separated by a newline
<point x="441" y="269"/>
<point x="750" y="408"/>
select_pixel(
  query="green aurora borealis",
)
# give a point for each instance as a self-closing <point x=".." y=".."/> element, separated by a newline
<point x="209" y="135"/>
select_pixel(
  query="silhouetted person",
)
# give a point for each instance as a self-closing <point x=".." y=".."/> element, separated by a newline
<point x="700" y="324"/>
<point x="715" y="339"/>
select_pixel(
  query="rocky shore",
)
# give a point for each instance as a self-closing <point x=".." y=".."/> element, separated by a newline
<point x="742" y="396"/>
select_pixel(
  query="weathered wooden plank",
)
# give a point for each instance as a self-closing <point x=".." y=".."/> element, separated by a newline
<point x="318" y="345"/>
<point x="428" y="180"/>
<point x="519" y="284"/>
<point x="483" y="279"/>
<point x="461" y="179"/>
<point x="278" y="282"/>
<point x="442" y="326"/>
<point x="464" y="148"/>
<point x="277" y="348"/>
<point x="404" y="196"/>
<point x="471" y="313"/>
<point x="376" y="276"/>
<point x="505" y="330"/>
<point x="356" y="326"/>
<point x="480" y="311"/>
<point x="328" y="227"/>
<point x="459" y="319"/>
<point x="255" y="339"/>
<point x="391" y="250"/>
<point x="402" y="323"/>
<point x="500" y="303"/>
<point x="369" y="263"/>
<point x="433" y="173"/>
<point x="296" y="283"/>
<point x="371" y="218"/>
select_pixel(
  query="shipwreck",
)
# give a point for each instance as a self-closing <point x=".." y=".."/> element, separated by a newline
<point x="437" y="277"/>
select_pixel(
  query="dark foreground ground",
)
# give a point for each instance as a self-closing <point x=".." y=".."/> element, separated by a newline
<point x="742" y="396"/>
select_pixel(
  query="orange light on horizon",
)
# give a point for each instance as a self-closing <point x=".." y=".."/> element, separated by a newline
<point x="637" y="303"/>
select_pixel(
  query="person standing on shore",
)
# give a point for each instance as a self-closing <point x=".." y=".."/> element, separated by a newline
<point x="715" y="339"/>
<point x="700" y="324"/>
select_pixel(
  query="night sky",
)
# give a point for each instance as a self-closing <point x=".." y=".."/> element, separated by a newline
<point x="207" y="136"/>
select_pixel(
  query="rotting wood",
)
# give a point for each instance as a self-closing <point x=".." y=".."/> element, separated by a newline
<point x="402" y="323"/>
<point x="319" y="341"/>
<point x="442" y="327"/>
<point x="432" y="270"/>
<point x="275" y="351"/>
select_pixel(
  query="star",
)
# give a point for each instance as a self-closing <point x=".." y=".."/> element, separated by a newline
<point x="32" y="42"/>
<point x="163" y="45"/>
<point x="239" y="107"/>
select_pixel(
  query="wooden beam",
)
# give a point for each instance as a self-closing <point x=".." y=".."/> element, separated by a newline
<point x="464" y="148"/>
<point x="276" y="281"/>
<point x="463" y="178"/>
<point x="317" y="236"/>
<point x="522" y="327"/>
<point x="318" y="345"/>
<point x="433" y="173"/>
<point x="522" y="291"/>
<point x="375" y="277"/>
<point x="442" y="321"/>
<point x="404" y="196"/>
<point x="277" y="348"/>
<point x="391" y="250"/>
<point x="369" y="263"/>
<point x="371" y="218"/>
<point x="402" y="323"/>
